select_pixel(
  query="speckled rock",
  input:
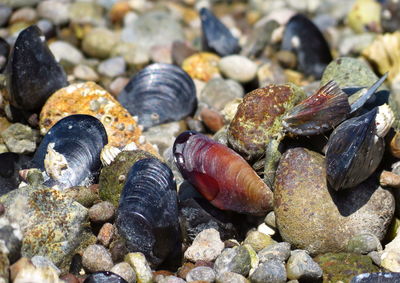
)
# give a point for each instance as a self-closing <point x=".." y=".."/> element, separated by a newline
<point x="311" y="217"/>
<point x="20" y="138"/>
<point x="112" y="178"/>
<point x="238" y="68"/>
<point x="272" y="271"/>
<point x="97" y="258"/>
<point x="344" y="266"/>
<point x="231" y="277"/>
<point x="364" y="244"/>
<point x="124" y="270"/>
<point x="102" y="212"/>
<point x="301" y="266"/>
<point x="206" y="246"/>
<point x="218" y="92"/>
<point x="278" y="251"/>
<point x="99" y="42"/>
<point x="106" y="234"/>
<point x="141" y="267"/>
<point x="234" y="260"/>
<point x="202" y="66"/>
<point x="201" y="273"/>
<point x="89" y="98"/>
<point x="64" y="51"/>
<point x="258" y="240"/>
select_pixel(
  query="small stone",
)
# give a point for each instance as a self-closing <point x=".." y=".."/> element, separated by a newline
<point x="206" y="246"/>
<point x="85" y="73"/>
<point x="301" y="266"/>
<point x="118" y="250"/>
<point x="97" y="258"/>
<point x="236" y="260"/>
<point x="141" y="267"/>
<point x="69" y="278"/>
<point x="106" y="234"/>
<point x="271" y="73"/>
<point x="5" y="13"/>
<point x="112" y="67"/>
<point x="184" y="269"/>
<point x="180" y="51"/>
<point x="20" y="138"/>
<point x="201" y="273"/>
<point x="258" y="240"/>
<point x="161" y="54"/>
<point x="91" y="13"/>
<point x="86" y="196"/>
<point x="118" y="11"/>
<point x="64" y="51"/>
<point x="231" y="277"/>
<point x="102" y="212"/>
<point x="55" y="11"/>
<point x="117" y="85"/>
<point x="124" y="270"/>
<point x="169" y="279"/>
<point x="263" y="228"/>
<point x="42" y="262"/>
<point x="134" y="55"/>
<point x="25" y="15"/>
<point x="218" y="92"/>
<point x="212" y="119"/>
<point x="363" y="244"/>
<point x="99" y="42"/>
<point x="27" y="272"/>
<point x="287" y="59"/>
<point x="272" y="271"/>
<point x="365" y="15"/>
<point x="238" y="68"/>
<point x="202" y="66"/>
<point x="278" y="251"/>
<point x="376" y="257"/>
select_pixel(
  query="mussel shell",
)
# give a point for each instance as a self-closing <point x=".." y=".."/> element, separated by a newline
<point x="158" y="94"/>
<point x="148" y="211"/>
<point x="104" y="277"/>
<point x="354" y="151"/>
<point x="303" y="38"/>
<point x="10" y="164"/>
<point x="379" y="277"/>
<point x="80" y="139"/>
<point x="33" y="73"/>
<point x="4" y="52"/>
<point x="216" y="36"/>
<point x="221" y="175"/>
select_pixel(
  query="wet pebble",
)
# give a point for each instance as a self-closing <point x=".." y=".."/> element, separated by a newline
<point x="85" y="73"/>
<point x="112" y="67"/>
<point x="64" y="51"/>
<point x="102" y="212"/>
<point x="272" y="271"/>
<point x="25" y="14"/>
<point x="236" y="260"/>
<point x="124" y="270"/>
<point x="141" y="267"/>
<point x="363" y="244"/>
<point x="301" y="266"/>
<point x="278" y="251"/>
<point x="97" y="258"/>
<point x="201" y="273"/>
<point x="238" y="68"/>
<point x="206" y="246"/>
<point x="55" y="11"/>
<point x="106" y="234"/>
<point x="231" y="277"/>
<point x="20" y="138"/>
<point x="258" y="240"/>
<point x="99" y="42"/>
<point x="169" y="279"/>
<point x="270" y="219"/>
<point x="218" y="92"/>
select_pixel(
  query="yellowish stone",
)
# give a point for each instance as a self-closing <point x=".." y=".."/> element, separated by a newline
<point x="202" y="66"/>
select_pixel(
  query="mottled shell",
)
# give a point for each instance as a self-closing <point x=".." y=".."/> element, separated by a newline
<point x="221" y="175"/>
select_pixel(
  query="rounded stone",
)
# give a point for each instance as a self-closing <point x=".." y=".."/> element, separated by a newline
<point x="206" y="246"/>
<point x="20" y="138"/>
<point x="99" y="42"/>
<point x="91" y="13"/>
<point x="316" y="219"/>
<point x="301" y="266"/>
<point x="363" y="244"/>
<point x="218" y="92"/>
<point x="231" y="277"/>
<point x="124" y="270"/>
<point x="97" y="258"/>
<point x="258" y="240"/>
<point x="278" y="251"/>
<point x="238" y="68"/>
<point x="236" y="260"/>
<point x="202" y="66"/>
<point x="55" y="11"/>
<point x="272" y="271"/>
<point x="85" y="73"/>
<point x="201" y="273"/>
<point x="64" y="51"/>
<point x="112" y="67"/>
<point x="102" y="212"/>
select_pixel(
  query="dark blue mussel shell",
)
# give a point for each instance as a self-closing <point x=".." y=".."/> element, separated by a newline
<point x="354" y="151"/>
<point x="158" y="94"/>
<point x="33" y="74"/>
<point x="303" y="38"/>
<point x="216" y="36"/>
<point x="80" y="139"/>
<point x="379" y="277"/>
<point x="4" y="52"/>
<point x="148" y="211"/>
<point x="104" y="277"/>
<point x="10" y="164"/>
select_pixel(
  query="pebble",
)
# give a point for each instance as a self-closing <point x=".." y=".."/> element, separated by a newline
<point x="272" y="271"/>
<point x="20" y="138"/>
<point x="25" y="15"/>
<point x="55" y="11"/>
<point x="42" y="262"/>
<point x="102" y="212"/>
<point x="278" y="251"/>
<point x="161" y="54"/>
<point x="5" y="13"/>
<point x="27" y="272"/>
<point x="170" y="279"/>
<point x="124" y="270"/>
<point x="64" y="51"/>
<point x="258" y="240"/>
<point x="202" y="66"/>
<point x="201" y="273"/>
<point x="364" y="244"/>
<point x="206" y="246"/>
<point x="231" y="277"/>
<point x="117" y="85"/>
<point x="263" y="228"/>
<point x="136" y="56"/>
<point x="218" y="92"/>
<point x="85" y="73"/>
<point x="99" y="42"/>
<point x="112" y="67"/>
<point x="90" y="13"/>
<point x="238" y="68"/>
<point x="236" y="260"/>
<point x="301" y="266"/>
<point x="106" y="234"/>
<point x="141" y="267"/>
<point x="97" y="258"/>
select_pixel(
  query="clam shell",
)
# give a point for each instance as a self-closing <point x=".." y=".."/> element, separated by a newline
<point x="33" y="73"/>
<point x="221" y="175"/>
<point x="159" y="93"/>
<point x="70" y="151"/>
<point x="148" y="211"/>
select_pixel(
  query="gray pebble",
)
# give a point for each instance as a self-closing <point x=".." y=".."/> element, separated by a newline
<point x="218" y="92"/>
<point x="97" y="258"/>
<point x="112" y="67"/>
<point x="64" y="51"/>
<point x="55" y="11"/>
<point x="5" y="13"/>
<point x="168" y="279"/>
<point x="234" y="260"/>
<point x="238" y="68"/>
<point x="363" y="244"/>
<point x="231" y="277"/>
<point x="86" y="73"/>
<point x="102" y="212"/>
<point x="270" y="219"/>
<point x="124" y="270"/>
<point x="272" y="271"/>
<point x="202" y="273"/>
<point x="302" y="267"/>
<point x="279" y="251"/>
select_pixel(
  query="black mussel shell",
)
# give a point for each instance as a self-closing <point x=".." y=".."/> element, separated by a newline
<point x="216" y="36"/>
<point x="148" y="211"/>
<point x="354" y="151"/>
<point x="158" y="94"/>
<point x="4" y="52"/>
<point x="303" y="38"/>
<point x="104" y="277"/>
<point x="33" y="72"/>
<point x="80" y="139"/>
<point x="10" y="164"/>
<point x="379" y="277"/>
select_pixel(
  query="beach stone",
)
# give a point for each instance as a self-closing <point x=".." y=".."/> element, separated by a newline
<point x="364" y="244"/>
<point x="124" y="270"/>
<point x="85" y="73"/>
<point x="117" y="85"/>
<point x="236" y="260"/>
<point x="20" y="138"/>
<point x="258" y="240"/>
<point x="218" y="92"/>
<point x="27" y="272"/>
<point x="201" y="273"/>
<point x="264" y="228"/>
<point x="206" y="246"/>
<point x="82" y="12"/>
<point x="231" y="277"/>
<point x="55" y="11"/>
<point x="328" y="224"/>
<point x="270" y="219"/>
<point x="99" y="42"/>
<point x="24" y="15"/>
<point x="344" y="266"/>
<point x="5" y="13"/>
<point x="272" y="271"/>
<point x="11" y="236"/>
<point x="106" y="234"/>
<point x="278" y="251"/>
<point x="301" y="266"/>
<point x="238" y="68"/>
<point x="390" y="257"/>
<point x="43" y="262"/>
<point x="365" y="15"/>
<point x="112" y="67"/>
<point x="86" y="196"/>
<point x="97" y="258"/>
<point x="141" y="267"/>
<point x="102" y="212"/>
<point x="202" y="66"/>
<point x="4" y="268"/>
<point x="169" y="279"/>
<point x="64" y="51"/>
<point x="135" y="56"/>
<point x="270" y="73"/>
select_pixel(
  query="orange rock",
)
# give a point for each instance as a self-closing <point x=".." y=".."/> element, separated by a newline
<point x="118" y="11"/>
<point x="89" y="98"/>
<point x="202" y="66"/>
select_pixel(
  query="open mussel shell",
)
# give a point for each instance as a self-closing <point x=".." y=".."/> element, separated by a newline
<point x="104" y="277"/>
<point x="148" y="211"/>
<point x="221" y="175"/>
<point x="354" y="151"/>
<point x="318" y="113"/>
<point x="4" y="51"/>
<point x="303" y="38"/>
<point x="158" y="94"/>
<point x="378" y="277"/>
<point x="33" y="73"/>
<point x="216" y="36"/>
<point x="10" y="164"/>
<point x="70" y="151"/>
